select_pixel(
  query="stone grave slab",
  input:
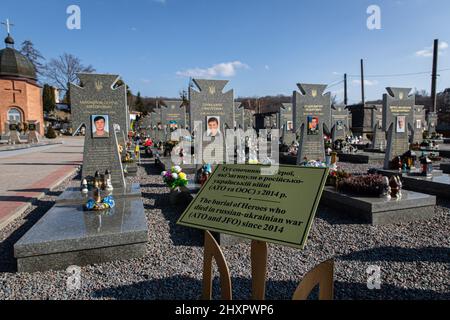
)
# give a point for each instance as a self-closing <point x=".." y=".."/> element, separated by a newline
<point x="361" y="157"/>
<point x="413" y="206"/>
<point x="312" y="116"/>
<point x="445" y="167"/>
<point x="68" y="236"/>
<point x="438" y="184"/>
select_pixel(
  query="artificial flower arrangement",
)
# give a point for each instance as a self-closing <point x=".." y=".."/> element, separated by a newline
<point x="175" y="177"/>
<point x="370" y="185"/>
<point x="99" y="204"/>
<point x="336" y="175"/>
<point x="313" y="163"/>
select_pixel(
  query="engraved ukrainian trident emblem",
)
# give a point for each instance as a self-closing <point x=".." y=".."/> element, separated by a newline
<point x="98" y="85"/>
<point x="314" y="93"/>
<point x="212" y="90"/>
<point x="401" y="96"/>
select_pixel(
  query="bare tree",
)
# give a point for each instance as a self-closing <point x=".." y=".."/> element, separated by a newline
<point x="63" y="70"/>
<point x="34" y="55"/>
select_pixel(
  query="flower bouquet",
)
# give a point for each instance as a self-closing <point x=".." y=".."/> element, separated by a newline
<point x="175" y="178"/>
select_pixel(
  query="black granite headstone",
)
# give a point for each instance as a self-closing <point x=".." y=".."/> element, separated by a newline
<point x="419" y="125"/>
<point x="340" y="123"/>
<point x="398" y="117"/>
<point x="97" y="99"/>
<point x="312" y="115"/>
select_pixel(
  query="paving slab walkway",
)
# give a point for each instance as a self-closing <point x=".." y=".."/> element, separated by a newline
<point x="26" y="175"/>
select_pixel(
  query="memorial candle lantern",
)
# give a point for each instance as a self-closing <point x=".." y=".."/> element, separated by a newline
<point x="427" y="166"/>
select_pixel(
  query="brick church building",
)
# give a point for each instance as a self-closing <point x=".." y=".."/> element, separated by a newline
<point x="20" y="94"/>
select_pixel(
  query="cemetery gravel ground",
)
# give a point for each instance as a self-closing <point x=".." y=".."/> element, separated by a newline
<point x="414" y="257"/>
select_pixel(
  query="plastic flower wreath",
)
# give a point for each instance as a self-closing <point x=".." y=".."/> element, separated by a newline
<point x="175" y="177"/>
<point x="106" y="203"/>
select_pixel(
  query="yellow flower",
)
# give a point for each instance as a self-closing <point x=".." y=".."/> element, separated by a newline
<point x="182" y="176"/>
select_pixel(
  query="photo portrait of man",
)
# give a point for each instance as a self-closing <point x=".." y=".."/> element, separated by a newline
<point x="213" y="126"/>
<point x="313" y="125"/>
<point x="401" y="124"/>
<point x="100" y="126"/>
<point x="340" y="125"/>
<point x="290" y="126"/>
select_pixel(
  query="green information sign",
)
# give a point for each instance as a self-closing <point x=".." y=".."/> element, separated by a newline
<point x="239" y="200"/>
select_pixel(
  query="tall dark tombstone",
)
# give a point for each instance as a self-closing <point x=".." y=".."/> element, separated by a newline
<point x="340" y="123"/>
<point x="312" y="115"/>
<point x="398" y="117"/>
<point x="379" y="135"/>
<point x="238" y="115"/>
<point x="97" y="98"/>
<point x="432" y="121"/>
<point x="285" y="117"/>
<point x="173" y="114"/>
<point x="211" y="107"/>
<point x="419" y="124"/>
<point x="210" y="101"/>
<point x="249" y="122"/>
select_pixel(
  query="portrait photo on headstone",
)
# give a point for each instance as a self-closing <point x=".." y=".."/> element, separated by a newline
<point x="313" y="126"/>
<point x="100" y="126"/>
<point x="401" y="124"/>
<point x="213" y="123"/>
<point x="290" y="125"/>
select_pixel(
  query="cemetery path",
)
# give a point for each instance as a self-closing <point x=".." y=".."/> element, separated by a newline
<point x="26" y="175"/>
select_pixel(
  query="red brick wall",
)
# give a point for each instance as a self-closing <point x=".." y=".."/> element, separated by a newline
<point x="28" y="100"/>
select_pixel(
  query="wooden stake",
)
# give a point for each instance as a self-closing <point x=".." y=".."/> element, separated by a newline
<point x="213" y="250"/>
<point x="259" y="269"/>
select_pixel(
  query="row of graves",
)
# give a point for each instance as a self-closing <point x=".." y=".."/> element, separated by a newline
<point x="103" y="219"/>
<point x="378" y="197"/>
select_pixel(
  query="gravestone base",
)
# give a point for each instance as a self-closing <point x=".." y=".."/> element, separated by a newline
<point x="445" y="167"/>
<point x="371" y="150"/>
<point x="361" y="157"/>
<point x="61" y="261"/>
<point x="131" y="169"/>
<point x="412" y="206"/>
<point x="67" y="235"/>
<point x="286" y="158"/>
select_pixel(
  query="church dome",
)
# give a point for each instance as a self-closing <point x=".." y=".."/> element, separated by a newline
<point x="15" y="64"/>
